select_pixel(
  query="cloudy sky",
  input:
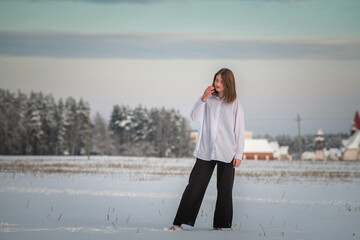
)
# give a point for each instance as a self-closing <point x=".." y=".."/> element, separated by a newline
<point x="288" y="57"/>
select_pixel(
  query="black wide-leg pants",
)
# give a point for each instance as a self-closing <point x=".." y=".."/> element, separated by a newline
<point x="194" y="193"/>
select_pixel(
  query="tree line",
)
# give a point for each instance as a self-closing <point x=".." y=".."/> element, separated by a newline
<point x="36" y="124"/>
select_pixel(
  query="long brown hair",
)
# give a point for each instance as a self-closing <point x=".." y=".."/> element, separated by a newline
<point x="228" y="83"/>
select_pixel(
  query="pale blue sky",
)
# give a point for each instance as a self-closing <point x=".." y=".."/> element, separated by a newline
<point x="258" y="19"/>
<point x="288" y="56"/>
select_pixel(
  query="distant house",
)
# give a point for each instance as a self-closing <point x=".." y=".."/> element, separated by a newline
<point x="352" y="148"/>
<point x="280" y="152"/>
<point x="329" y="154"/>
<point x="276" y="148"/>
<point x="257" y="149"/>
<point x="320" y="152"/>
<point x="332" y="153"/>
<point x="308" y="155"/>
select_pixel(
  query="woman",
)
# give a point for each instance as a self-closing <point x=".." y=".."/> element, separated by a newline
<point x="220" y="142"/>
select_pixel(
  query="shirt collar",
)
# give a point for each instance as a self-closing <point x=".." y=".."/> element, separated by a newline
<point x="217" y="98"/>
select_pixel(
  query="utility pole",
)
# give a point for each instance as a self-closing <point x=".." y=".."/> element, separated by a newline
<point x="299" y="136"/>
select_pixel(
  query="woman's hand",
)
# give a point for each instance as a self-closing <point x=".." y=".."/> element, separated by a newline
<point x="236" y="162"/>
<point x="207" y="92"/>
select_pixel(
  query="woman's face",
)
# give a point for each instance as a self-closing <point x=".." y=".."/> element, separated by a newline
<point x="219" y="83"/>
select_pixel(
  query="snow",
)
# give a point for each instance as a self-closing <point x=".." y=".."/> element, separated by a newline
<point x="257" y="146"/>
<point x="137" y="198"/>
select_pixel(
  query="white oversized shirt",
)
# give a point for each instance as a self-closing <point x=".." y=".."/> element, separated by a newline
<point x="221" y="134"/>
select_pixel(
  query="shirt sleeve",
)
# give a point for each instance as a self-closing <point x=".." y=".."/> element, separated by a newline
<point x="197" y="112"/>
<point x="239" y="132"/>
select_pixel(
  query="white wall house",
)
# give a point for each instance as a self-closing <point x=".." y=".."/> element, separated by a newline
<point x="352" y="148"/>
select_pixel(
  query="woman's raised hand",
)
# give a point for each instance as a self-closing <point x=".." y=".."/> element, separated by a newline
<point x="207" y="92"/>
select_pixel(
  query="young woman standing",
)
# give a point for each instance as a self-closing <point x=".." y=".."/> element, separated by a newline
<point x="220" y="143"/>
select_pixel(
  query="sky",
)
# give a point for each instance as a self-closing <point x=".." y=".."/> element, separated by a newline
<point x="288" y="57"/>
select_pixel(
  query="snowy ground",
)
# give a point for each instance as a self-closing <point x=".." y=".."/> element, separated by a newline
<point x="137" y="198"/>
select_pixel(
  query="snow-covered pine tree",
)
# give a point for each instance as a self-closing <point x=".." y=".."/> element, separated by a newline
<point x="9" y="116"/>
<point x="34" y="124"/>
<point x="83" y="127"/>
<point x="70" y="123"/>
<point x="120" y="124"/>
<point x="49" y="125"/>
<point x="102" y="139"/>
<point x="140" y="129"/>
<point x="186" y="146"/>
<point x="21" y="107"/>
<point x="61" y="144"/>
<point x="155" y="132"/>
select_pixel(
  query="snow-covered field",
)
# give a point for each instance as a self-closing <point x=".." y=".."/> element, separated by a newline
<point x="137" y="198"/>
